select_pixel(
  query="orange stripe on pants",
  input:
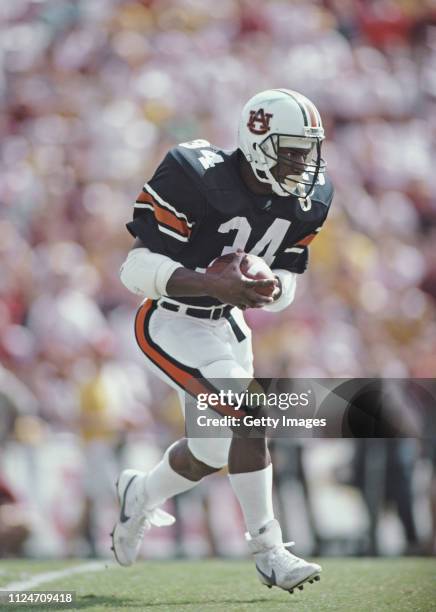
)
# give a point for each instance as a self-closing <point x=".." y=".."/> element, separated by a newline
<point x="183" y="378"/>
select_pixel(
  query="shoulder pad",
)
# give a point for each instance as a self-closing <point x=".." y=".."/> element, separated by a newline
<point x="211" y="169"/>
<point x="197" y="156"/>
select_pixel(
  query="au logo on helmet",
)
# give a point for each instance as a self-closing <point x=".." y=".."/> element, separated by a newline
<point x="259" y="121"/>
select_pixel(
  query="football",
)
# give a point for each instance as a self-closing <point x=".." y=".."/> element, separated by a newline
<point x="254" y="267"/>
<point x="251" y="266"/>
<point x="218" y="264"/>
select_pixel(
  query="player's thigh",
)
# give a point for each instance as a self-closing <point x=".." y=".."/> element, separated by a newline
<point x="183" y="348"/>
<point x="182" y="351"/>
<point x="241" y="341"/>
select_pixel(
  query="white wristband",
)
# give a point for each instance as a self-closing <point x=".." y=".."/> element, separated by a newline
<point x="288" y="281"/>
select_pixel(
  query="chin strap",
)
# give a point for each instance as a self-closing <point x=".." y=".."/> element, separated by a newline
<point x="275" y="185"/>
<point x="318" y="166"/>
<point x="299" y="191"/>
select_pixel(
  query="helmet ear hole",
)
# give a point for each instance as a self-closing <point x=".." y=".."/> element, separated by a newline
<point x="254" y="145"/>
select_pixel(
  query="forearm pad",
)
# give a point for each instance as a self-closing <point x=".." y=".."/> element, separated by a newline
<point x="146" y="273"/>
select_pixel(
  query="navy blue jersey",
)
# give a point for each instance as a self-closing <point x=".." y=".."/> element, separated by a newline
<point x="196" y="207"/>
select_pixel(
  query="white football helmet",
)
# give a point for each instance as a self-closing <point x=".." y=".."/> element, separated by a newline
<point x="283" y="120"/>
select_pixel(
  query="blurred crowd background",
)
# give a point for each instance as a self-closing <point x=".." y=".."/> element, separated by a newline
<point x="92" y="94"/>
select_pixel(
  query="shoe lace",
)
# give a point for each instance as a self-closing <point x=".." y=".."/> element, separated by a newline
<point x="282" y="556"/>
<point x="143" y="525"/>
<point x="139" y="523"/>
<point x="142" y="521"/>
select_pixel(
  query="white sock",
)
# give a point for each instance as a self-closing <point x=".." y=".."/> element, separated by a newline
<point x="163" y="482"/>
<point x="254" y="493"/>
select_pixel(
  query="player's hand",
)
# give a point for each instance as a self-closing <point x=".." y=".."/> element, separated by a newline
<point x="231" y="287"/>
<point x="278" y="290"/>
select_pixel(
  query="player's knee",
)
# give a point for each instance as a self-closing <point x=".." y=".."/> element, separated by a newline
<point x="226" y="369"/>
<point x="214" y="452"/>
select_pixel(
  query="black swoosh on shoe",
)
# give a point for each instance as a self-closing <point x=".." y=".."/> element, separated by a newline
<point x="271" y="579"/>
<point x="123" y="517"/>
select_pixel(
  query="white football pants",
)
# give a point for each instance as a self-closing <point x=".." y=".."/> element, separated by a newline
<point x="181" y="349"/>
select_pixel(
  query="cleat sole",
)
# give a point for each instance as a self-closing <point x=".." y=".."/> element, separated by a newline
<point x="300" y="586"/>
<point x="310" y="579"/>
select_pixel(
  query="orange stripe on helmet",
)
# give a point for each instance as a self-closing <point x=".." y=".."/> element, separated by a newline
<point x="312" y="114"/>
<point x="309" y="108"/>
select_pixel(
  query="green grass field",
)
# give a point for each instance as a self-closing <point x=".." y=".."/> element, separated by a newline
<point x="350" y="585"/>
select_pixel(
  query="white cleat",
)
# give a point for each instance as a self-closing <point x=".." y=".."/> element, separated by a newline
<point x="134" y="519"/>
<point x="275" y="565"/>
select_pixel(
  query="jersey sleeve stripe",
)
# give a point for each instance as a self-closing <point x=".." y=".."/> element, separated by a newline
<point x="294" y="250"/>
<point x="157" y="199"/>
<point x="166" y="230"/>
<point x="306" y="240"/>
<point x="165" y="217"/>
<point x="139" y="205"/>
<point x="144" y="197"/>
<point x="168" y="218"/>
<point x="189" y="379"/>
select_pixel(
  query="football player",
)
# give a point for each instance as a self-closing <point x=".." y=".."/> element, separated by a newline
<point x="269" y="197"/>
